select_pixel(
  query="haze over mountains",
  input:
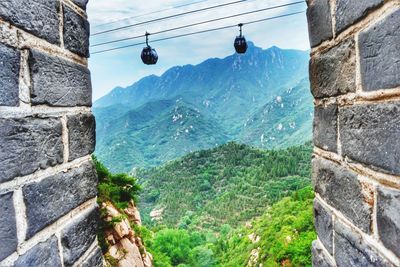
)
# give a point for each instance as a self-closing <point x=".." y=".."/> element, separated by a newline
<point x="261" y="98"/>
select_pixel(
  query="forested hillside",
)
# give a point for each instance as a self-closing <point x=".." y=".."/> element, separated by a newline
<point x="282" y="236"/>
<point x="232" y="205"/>
<point x="230" y="184"/>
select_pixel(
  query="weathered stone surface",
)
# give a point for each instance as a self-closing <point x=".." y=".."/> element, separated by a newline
<point x="319" y="21"/>
<point x="125" y="247"/>
<point x="319" y="257"/>
<point x="39" y="17"/>
<point x="77" y="237"/>
<point x="29" y="144"/>
<point x="370" y="134"/>
<point x="388" y="218"/>
<point x="341" y="189"/>
<point x="82" y="135"/>
<point x="334" y="72"/>
<point x="58" y="82"/>
<point x="81" y="3"/>
<point x="9" y="75"/>
<point x="379" y="48"/>
<point x="323" y="225"/>
<point x="325" y="127"/>
<point x="94" y="260"/>
<point x="349" y="12"/>
<point x="350" y="249"/>
<point x="76" y="32"/>
<point x="8" y="228"/>
<point x="44" y="254"/>
<point x="56" y="195"/>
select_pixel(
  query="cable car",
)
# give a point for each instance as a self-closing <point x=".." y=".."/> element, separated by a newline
<point x="240" y="42"/>
<point x="149" y="55"/>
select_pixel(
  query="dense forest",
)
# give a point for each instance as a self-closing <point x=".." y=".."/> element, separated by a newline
<point x="282" y="236"/>
<point x="228" y="206"/>
<point x="230" y="184"/>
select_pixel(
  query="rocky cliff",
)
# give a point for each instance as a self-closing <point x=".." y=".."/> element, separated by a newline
<point x="125" y="248"/>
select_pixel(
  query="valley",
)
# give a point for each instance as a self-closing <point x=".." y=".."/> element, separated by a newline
<point x="232" y="205"/>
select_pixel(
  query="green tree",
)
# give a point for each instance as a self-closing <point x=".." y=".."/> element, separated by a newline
<point x="176" y="244"/>
<point x="202" y="256"/>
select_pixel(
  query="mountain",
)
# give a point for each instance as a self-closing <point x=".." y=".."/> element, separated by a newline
<point x="229" y="184"/>
<point x="261" y="98"/>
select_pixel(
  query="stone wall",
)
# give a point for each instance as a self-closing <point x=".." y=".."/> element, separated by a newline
<point x="355" y="77"/>
<point x="48" y="210"/>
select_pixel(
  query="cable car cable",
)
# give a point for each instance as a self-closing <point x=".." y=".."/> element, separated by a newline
<point x="199" y="23"/>
<point x="197" y="32"/>
<point x="149" y="13"/>
<point x="170" y="16"/>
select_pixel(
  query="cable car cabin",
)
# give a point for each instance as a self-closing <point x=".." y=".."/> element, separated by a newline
<point x="149" y="56"/>
<point x="240" y="42"/>
<point x="240" y="45"/>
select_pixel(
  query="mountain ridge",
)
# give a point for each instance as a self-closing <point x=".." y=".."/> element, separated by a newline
<point x="224" y="94"/>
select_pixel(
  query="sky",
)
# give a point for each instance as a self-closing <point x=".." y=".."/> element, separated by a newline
<point x="124" y="67"/>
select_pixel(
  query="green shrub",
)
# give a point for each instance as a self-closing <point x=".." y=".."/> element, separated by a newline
<point x="117" y="188"/>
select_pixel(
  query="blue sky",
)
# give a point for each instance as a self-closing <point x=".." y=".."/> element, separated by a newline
<point x="124" y="67"/>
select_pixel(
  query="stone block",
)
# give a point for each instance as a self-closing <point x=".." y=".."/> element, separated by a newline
<point x="341" y="189"/>
<point x="9" y="75"/>
<point x="79" y="236"/>
<point x="323" y="225"/>
<point x="388" y="218"/>
<point x="370" y="135"/>
<point x="319" y="257"/>
<point x="349" y="12"/>
<point x="379" y="48"/>
<point x="81" y="3"/>
<point x="54" y="196"/>
<point x="351" y="250"/>
<point x="28" y="144"/>
<point x="325" y="127"/>
<point x="94" y="260"/>
<point x="333" y="73"/>
<point x="58" y="82"/>
<point x="76" y="32"/>
<point x="82" y="135"/>
<point x="319" y="21"/>
<point x="39" y="17"/>
<point x="8" y="228"/>
<point x="45" y="254"/>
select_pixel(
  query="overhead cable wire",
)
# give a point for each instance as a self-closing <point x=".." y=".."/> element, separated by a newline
<point x="149" y="13"/>
<point x="198" y="32"/>
<point x="198" y="23"/>
<point x="170" y="16"/>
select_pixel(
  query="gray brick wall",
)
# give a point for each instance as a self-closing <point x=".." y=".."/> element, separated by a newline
<point x="48" y="182"/>
<point x="355" y="79"/>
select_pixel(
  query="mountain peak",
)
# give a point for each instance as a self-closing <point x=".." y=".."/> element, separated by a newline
<point x="252" y="47"/>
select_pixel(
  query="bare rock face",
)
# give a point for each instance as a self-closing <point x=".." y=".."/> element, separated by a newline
<point x="133" y="213"/>
<point x="125" y="248"/>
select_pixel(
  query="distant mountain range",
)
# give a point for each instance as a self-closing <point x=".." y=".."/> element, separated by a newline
<point x="261" y="98"/>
